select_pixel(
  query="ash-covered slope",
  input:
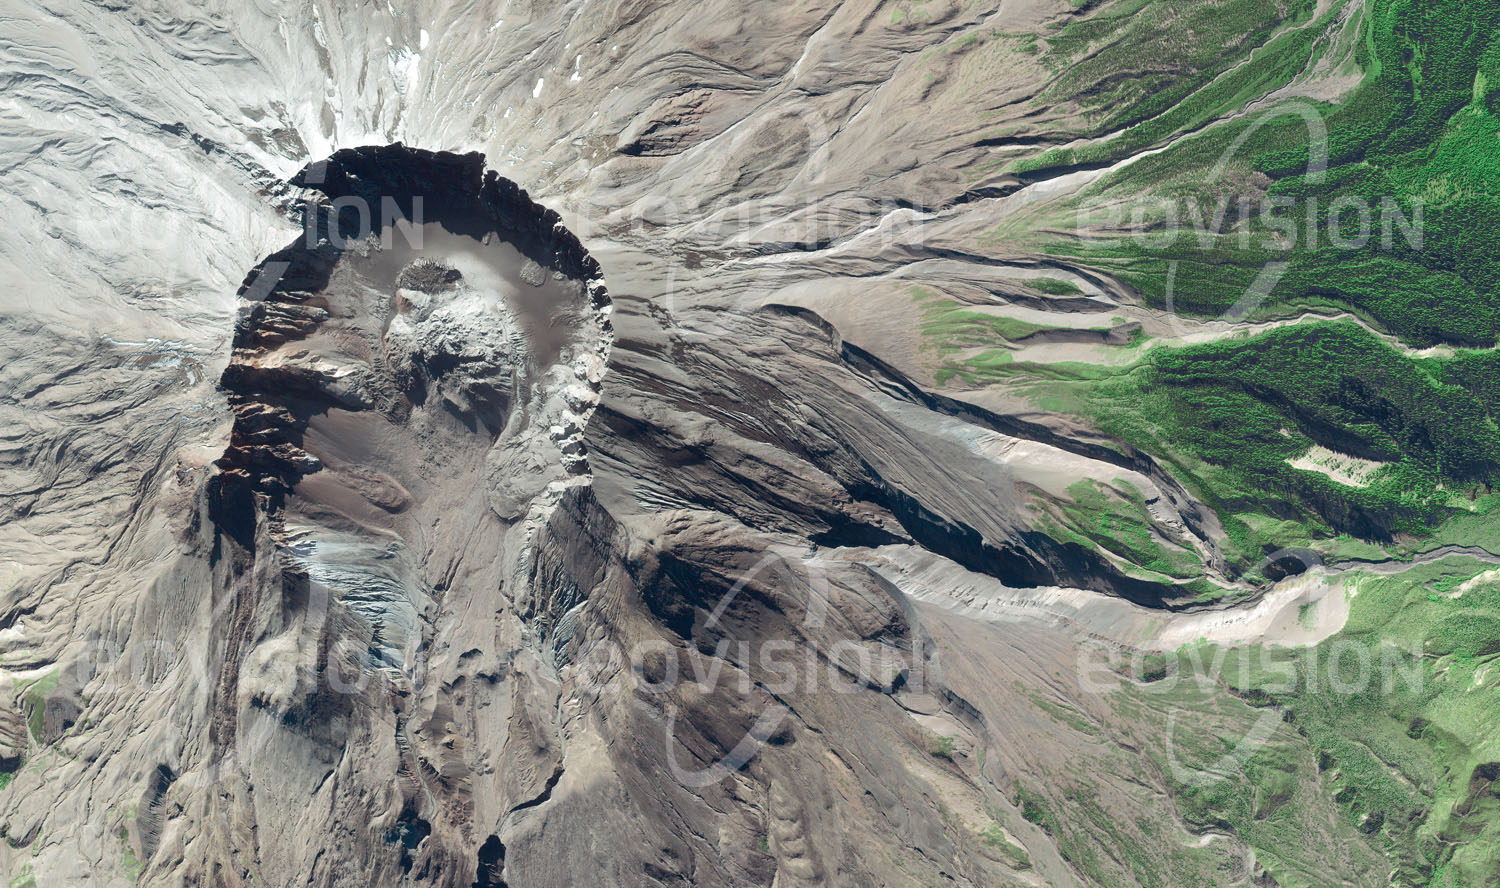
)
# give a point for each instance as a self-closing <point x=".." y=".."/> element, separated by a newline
<point x="413" y="556"/>
<point x="499" y="580"/>
<point x="424" y="573"/>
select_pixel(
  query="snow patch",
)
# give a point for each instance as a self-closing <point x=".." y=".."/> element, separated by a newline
<point x="536" y="92"/>
<point x="422" y="40"/>
<point x="404" y="65"/>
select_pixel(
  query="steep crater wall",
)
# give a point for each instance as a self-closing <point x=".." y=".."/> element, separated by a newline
<point x="410" y="378"/>
<point x="420" y="280"/>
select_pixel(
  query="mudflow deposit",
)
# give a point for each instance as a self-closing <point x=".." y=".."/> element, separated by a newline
<point x="603" y="442"/>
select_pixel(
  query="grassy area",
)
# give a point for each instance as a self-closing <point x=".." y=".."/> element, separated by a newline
<point x="129" y="862"/>
<point x="952" y="326"/>
<point x="976" y="346"/>
<point x="1478" y="528"/>
<point x="1396" y="711"/>
<point x="35" y="699"/>
<point x="1115" y="519"/>
<point x="994" y="837"/>
<point x="1367" y="759"/>
<point x="1307" y="755"/>
<point x="1053" y="286"/>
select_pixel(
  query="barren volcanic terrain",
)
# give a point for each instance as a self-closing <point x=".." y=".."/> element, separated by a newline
<point x="1002" y="443"/>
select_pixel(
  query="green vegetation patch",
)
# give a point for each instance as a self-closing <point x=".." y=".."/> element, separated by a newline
<point x="1397" y="711"/>
<point x="1116" y="519"/>
<point x="994" y="837"/>
<point x="35" y="699"/>
<point x="1170" y="67"/>
<point x="1415" y="148"/>
<point x="1053" y="286"/>
<point x="975" y="346"/>
<point x="1134" y="60"/>
<point x="1230" y="417"/>
<point x="951" y="325"/>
